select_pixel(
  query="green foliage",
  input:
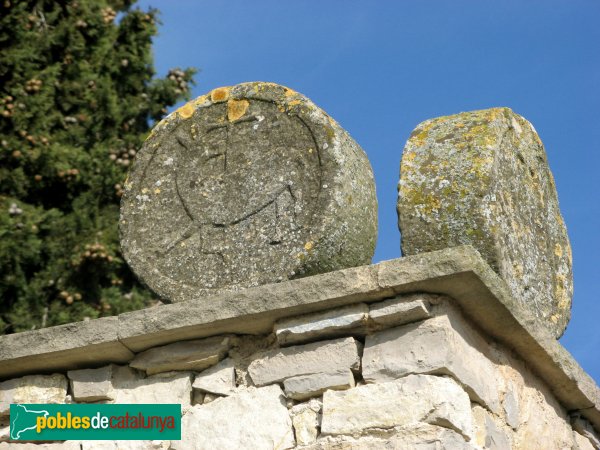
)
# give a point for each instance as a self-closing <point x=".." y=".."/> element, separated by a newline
<point x="77" y="94"/>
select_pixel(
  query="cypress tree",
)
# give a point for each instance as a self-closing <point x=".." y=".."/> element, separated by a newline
<point x="78" y="95"/>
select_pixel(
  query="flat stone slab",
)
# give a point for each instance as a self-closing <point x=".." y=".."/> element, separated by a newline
<point x="482" y="178"/>
<point x="321" y="325"/>
<point x="303" y="387"/>
<point x="91" y="385"/>
<point x="218" y="379"/>
<point x="244" y="186"/>
<point x="459" y="273"/>
<point x="198" y="354"/>
<point x="32" y="389"/>
<point x="401" y="310"/>
<point x="332" y="356"/>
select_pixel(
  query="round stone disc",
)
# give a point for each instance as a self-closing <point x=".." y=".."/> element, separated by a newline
<point x="244" y="186"/>
<point x="482" y="178"/>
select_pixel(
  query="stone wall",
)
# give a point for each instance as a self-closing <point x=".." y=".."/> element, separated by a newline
<point x="371" y="369"/>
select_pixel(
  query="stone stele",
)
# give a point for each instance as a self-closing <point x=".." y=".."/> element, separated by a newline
<point x="482" y="178"/>
<point x="243" y="186"/>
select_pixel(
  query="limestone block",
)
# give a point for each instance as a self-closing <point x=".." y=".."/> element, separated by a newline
<point x="255" y="418"/>
<point x="488" y="433"/>
<point x="400" y="310"/>
<point x="414" y="398"/>
<point x="482" y="178"/>
<point x="66" y="445"/>
<point x="32" y="389"/>
<point x="438" y="345"/>
<point x="218" y="379"/>
<point x="125" y="445"/>
<point x="319" y="357"/>
<point x="197" y="355"/>
<point x="313" y="385"/>
<point x="91" y="385"/>
<point x="306" y="418"/>
<point x="170" y="387"/>
<point x="247" y="185"/>
<point x="582" y="443"/>
<point x="414" y="437"/>
<point x="321" y="325"/>
<point x="510" y="402"/>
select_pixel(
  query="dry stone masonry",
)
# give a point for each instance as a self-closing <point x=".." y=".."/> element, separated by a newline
<point x="392" y="378"/>
<point x="482" y="178"/>
<point x="247" y="185"/>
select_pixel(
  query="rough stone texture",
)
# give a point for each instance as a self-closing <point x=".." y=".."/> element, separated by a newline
<point x="91" y="385"/>
<point x="441" y="345"/>
<point x="71" y="346"/>
<point x="417" y="437"/>
<point x="510" y="402"/>
<point x="321" y="325"/>
<point x="187" y="355"/>
<point x="585" y="429"/>
<point x="582" y="443"/>
<point x="400" y="310"/>
<point x="66" y="445"/>
<point x="542" y="422"/>
<point x="125" y="445"/>
<point x="247" y="185"/>
<point x="256" y="418"/>
<point x="170" y="387"/>
<point x="482" y="178"/>
<point x="306" y="418"/>
<point x="219" y="379"/>
<point x="415" y="398"/>
<point x="307" y="386"/>
<point x="488" y="433"/>
<point x="327" y="356"/>
<point x="32" y="389"/>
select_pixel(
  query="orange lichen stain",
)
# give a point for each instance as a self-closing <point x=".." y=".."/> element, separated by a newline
<point x="289" y="92"/>
<point x="236" y="109"/>
<point x="220" y="94"/>
<point x="558" y="250"/>
<point x="186" y="110"/>
<point x="308" y="246"/>
<point x="197" y="102"/>
<point x="294" y="103"/>
<point x="409" y="156"/>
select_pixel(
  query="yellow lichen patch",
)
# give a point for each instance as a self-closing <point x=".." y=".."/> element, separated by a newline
<point x="560" y="291"/>
<point x="421" y="136"/>
<point x="308" y="246"/>
<point x="220" y="94"/>
<point x="558" y="250"/>
<point x="198" y="101"/>
<point x="236" y="109"/>
<point x="145" y="191"/>
<point x="289" y="92"/>
<point x="294" y="103"/>
<point x="157" y="191"/>
<point x="186" y="110"/>
<point x="554" y="318"/>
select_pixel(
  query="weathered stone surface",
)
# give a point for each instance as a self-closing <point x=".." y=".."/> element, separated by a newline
<point x="321" y="325"/>
<point x="307" y="386"/>
<point x="219" y="379"/>
<point x="91" y="385"/>
<point x="482" y="178"/>
<point x="510" y="402"/>
<point x="414" y="398"/>
<point x="170" y="387"/>
<point x="247" y="185"/>
<point x="196" y="355"/>
<point x="72" y="346"/>
<point x="125" y="445"/>
<point x="66" y="445"/>
<point x="32" y="389"/>
<point x="306" y="418"/>
<point x="400" y="310"/>
<point x="582" y="443"/>
<point x="256" y="418"/>
<point x="326" y="356"/>
<point x="583" y="428"/>
<point x="440" y="345"/>
<point x="415" y="437"/>
<point x="489" y="434"/>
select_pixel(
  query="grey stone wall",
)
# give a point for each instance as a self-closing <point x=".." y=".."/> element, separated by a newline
<point x="405" y="372"/>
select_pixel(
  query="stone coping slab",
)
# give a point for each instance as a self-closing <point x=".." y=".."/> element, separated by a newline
<point x="459" y="272"/>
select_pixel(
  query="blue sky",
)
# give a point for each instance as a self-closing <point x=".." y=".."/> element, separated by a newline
<point x="381" y="67"/>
